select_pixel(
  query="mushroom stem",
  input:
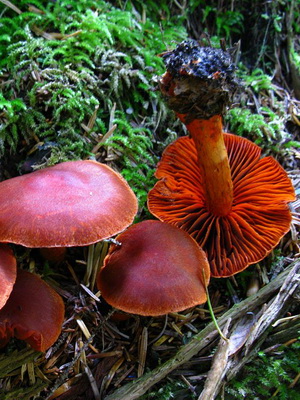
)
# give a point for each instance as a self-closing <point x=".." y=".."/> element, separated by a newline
<point x="213" y="162"/>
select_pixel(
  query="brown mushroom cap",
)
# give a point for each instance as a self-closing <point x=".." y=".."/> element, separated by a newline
<point x="8" y="273"/>
<point x="34" y="312"/>
<point x="75" y="203"/>
<point x="259" y="217"/>
<point x="157" y="269"/>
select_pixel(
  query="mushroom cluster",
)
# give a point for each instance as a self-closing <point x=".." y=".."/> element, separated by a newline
<point x="214" y="190"/>
<point x="215" y="185"/>
<point x="74" y="203"/>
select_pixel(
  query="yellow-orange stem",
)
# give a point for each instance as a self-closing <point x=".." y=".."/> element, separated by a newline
<point x="213" y="161"/>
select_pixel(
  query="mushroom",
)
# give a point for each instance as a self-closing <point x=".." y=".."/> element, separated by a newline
<point x="216" y="186"/>
<point x="74" y="203"/>
<point x="156" y="269"/>
<point x="34" y="312"/>
<point x="8" y="273"/>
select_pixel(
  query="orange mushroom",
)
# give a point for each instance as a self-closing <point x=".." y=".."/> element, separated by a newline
<point x="215" y="185"/>
<point x="34" y="312"/>
<point x="8" y="273"/>
<point x="75" y="203"/>
<point x="156" y="269"/>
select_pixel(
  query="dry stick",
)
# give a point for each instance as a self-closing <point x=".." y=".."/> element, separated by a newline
<point x="283" y="334"/>
<point x="104" y="138"/>
<point x="11" y="5"/>
<point x="137" y="388"/>
<point x="218" y="368"/>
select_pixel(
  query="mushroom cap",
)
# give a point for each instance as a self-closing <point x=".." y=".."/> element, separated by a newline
<point x="34" y="312"/>
<point x="259" y="217"/>
<point x="8" y="273"/>
<point x="157" y="269"/>
<point x="75" y="203"/>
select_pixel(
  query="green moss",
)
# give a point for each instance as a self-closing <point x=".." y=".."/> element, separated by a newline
<point x="266" y="129"/>
<point x="73" y="61"/>
<point x="267" y="375"/>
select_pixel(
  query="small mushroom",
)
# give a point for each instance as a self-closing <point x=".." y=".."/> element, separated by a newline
<point x="75" y="203"/>
<point x="8" y="273"/>
<point x="34" y="312"/>
<point x="156" y="269"/>
<point x="214" y="185"/>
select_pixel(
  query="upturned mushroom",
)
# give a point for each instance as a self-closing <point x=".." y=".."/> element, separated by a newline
<point x="215" y="185"/>
<point x="34" y="312"/>
<point x="156" y="269"/>
<point x="75" y="203"/>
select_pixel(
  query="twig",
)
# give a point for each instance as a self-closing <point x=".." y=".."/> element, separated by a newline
<point x="218" y="368"/>
<point x="283" y="334"/>
<point x="104" y="138"/>
<point x="11" y="5"/>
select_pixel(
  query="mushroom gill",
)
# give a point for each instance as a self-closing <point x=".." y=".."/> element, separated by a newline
<point x="259" y="214"/>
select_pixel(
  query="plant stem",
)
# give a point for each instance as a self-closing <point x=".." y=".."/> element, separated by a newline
<point x="212" y="314"/>
<point x="213" y="162"/>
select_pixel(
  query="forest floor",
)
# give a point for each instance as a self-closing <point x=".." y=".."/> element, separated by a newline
<point x="103" y="353"/>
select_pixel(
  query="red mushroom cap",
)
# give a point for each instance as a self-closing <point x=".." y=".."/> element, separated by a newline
<point x="34" y="312"/>
<point x="74" y="203"/>
<point x="259" y="216"/>
<point x="8" y="273"/>
<point x="157" y="269"/>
